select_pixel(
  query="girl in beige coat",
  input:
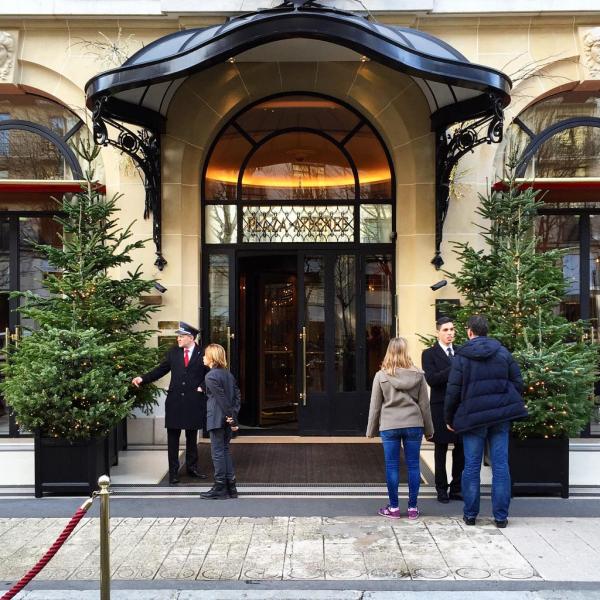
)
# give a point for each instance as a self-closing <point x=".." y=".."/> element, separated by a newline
<point x="400" y="412"/>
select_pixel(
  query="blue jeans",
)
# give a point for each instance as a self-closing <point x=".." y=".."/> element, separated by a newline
<point x="221" y="456"/>
<point x="411" y="438"/>
<point x="473" y="443"/>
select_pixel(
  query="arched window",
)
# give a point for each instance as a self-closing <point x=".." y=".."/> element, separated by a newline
<point x="298" y="168"/>
<point x="559" y="136"/>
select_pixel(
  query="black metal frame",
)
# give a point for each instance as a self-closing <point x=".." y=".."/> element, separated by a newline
<point x="450" y="148"/>
<point x="144" y="149"/>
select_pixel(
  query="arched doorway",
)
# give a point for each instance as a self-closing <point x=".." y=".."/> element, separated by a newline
<point x="298" y="245"/>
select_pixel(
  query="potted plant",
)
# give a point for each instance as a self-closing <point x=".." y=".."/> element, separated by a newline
<point x="68" y="379"/>
<point x="518" y="287"/>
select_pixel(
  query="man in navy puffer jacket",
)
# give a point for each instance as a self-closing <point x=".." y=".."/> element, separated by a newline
<point x="483" y="396"/>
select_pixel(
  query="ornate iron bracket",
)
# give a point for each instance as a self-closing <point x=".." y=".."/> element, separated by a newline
<point x="450" y="148"/>
<point x="144" y="149"/>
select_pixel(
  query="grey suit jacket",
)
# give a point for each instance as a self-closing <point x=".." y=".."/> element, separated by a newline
<point x="221" y="391"/>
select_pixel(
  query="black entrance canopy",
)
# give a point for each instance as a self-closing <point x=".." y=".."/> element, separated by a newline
<point x="466" y="100"/>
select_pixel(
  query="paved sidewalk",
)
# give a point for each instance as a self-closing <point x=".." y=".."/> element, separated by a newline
<point x="310" y="548"/>
<point x="307" y="595"/>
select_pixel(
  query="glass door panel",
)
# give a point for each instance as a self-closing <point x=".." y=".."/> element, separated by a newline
<point x="219" y="324"/>
<point x="378" y="309"/>
<point x="314" y="322"/>
<point x="277" y="356"/>
<point x="345" y="322"/>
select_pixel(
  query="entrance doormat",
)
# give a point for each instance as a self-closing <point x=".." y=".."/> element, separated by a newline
<point x="301" y="464"/>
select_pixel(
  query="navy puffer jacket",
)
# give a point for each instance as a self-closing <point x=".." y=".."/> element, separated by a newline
<point x="484" y="386"/>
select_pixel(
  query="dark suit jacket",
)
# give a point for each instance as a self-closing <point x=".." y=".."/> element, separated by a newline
<point x="185" y="407"/>
<point x="436" y="364"/>
<point x="222" y="393"/>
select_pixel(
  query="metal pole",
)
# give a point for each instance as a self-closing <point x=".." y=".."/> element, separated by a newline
<point x="104" y="483"/>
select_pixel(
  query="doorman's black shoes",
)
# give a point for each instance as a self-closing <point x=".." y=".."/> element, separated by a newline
<point x="195" y="474"/>
<point x="217" y="492"/>
<point x="443" y="497"/>
<point x="173" y="479"/>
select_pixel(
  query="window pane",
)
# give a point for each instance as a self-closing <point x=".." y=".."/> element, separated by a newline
<point x="375" y="223"/>
<point x="372" y="164"/>
<point x="221" y="224"/>
<point x="33" y="266"/>
<point x="574" y="152"/>
<point x="298" y="166"/>
<point x="314" y="317"/>
<point x="378" y="303"/>
<point x="298" y="224"/>
<point x="218" y="299"/>
<point x="31" y="156"/>
<point x="28" y="107"/>
<point x="224" y="166"/>
<point x="345" y="323"/>
<point x="562" y="231"/>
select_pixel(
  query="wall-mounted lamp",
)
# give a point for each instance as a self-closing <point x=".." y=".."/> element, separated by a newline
<point x="438" y="285"/>
<point x="161" y="288"/>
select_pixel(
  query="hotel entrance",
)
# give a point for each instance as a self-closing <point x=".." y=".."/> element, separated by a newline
<point x="298" y="262"/>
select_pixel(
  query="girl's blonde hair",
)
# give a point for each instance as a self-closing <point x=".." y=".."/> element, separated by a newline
<point x="397" y="356"/>
<point x="215" y="355"/>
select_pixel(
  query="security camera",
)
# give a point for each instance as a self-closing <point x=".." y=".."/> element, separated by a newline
<point x="438" y="285"/>
<point x="161" y="288"/>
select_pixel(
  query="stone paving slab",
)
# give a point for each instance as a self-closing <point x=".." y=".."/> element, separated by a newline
<point x="308" y="549"/>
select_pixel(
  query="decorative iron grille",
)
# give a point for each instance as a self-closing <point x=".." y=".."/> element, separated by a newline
<point x="297" y="224"/>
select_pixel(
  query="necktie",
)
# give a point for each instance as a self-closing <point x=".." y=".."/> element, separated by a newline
<point x="449" y="351"/>
<point x="186" y="356"/>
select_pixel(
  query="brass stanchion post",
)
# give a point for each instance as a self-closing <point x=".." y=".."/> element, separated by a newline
<point x="104" y="483"/>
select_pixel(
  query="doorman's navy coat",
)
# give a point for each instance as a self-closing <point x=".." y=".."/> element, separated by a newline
<point x="436" y="364"/>
<point x="185" y="407"/>
<point x="484" y="386"/>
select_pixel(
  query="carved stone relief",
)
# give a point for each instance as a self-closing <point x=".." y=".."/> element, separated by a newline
<point x="591" y="52"/>
<point x="7" y="55"/>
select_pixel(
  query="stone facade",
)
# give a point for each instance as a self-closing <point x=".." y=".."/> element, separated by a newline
<point x="55" y="56"/>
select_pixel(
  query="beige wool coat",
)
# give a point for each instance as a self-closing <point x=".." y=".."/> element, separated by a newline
<point x="399" y="400"/>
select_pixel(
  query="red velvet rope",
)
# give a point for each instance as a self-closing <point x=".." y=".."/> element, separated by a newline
<point x="60" y="540"/>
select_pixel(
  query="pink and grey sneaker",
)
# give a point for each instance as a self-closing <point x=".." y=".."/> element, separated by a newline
<point x="389" y="512"/>
<point x="413" y="514"/>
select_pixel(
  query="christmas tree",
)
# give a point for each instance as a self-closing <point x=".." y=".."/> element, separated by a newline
<point x="518" y="289"/>
<point x="70" y="376"/>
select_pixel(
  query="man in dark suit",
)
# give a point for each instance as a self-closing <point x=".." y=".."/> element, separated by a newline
<point x="185" y="406"/>
<point x="436" y="362"/>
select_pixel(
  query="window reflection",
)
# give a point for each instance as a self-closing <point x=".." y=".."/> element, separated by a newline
<point x="298" y="166"/>
<point x="345" y="323"/>
<point x="378" y="296"/>
<point x="314" y="317"/>
<point x="562" y="231"/>
<point x="218" y="298"/>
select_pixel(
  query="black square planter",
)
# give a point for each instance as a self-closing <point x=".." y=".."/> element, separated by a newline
<point x="69" y="468"/>
<point x="539" y="466"/>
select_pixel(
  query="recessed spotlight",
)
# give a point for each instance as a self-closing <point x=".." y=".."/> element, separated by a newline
<point x="231" y="60"/>
<point x="364" y="58"/>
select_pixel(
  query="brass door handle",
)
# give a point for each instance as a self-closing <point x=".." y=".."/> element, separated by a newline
<point x="302" y="394"/>
<point x="230" y="336"/>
